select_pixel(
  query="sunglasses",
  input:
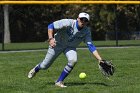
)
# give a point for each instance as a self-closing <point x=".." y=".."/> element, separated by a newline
<point x="84" y="19"/>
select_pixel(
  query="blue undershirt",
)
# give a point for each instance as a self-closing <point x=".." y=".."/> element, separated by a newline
<point x="79" y="28"/>
<point x="51" y="26"/>
<point x="91" y="47"/>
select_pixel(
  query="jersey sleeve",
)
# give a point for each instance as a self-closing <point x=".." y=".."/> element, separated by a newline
<point x="88" y="41"/>
<point x="62" y="23"/>
<point x="51" y="26"/>
<point x="91" y="47"/>
<point x="88" y="36"/>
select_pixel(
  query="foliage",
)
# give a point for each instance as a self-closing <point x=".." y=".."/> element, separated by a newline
<point x="28" y="23"/>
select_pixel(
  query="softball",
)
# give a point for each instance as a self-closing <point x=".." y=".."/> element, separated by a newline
<point x="82" y="75"/>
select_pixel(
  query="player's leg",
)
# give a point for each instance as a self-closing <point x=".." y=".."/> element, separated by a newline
<point x="46" y="63"/>
<point x="72" y="60"/>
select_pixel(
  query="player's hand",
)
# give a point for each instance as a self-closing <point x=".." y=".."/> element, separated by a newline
<point x="106" y="67"/>
<point x="52" y="42"/>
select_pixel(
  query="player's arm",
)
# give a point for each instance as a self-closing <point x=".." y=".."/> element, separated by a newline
<point x="56" y="26"/>
<point x="91" y="46"/>
<point x="51" y="39"/>
<point x="94" y="51"/>
<point x="62" y="23"/>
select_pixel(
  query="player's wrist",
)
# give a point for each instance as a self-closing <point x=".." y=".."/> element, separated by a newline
<point x="99" y="60"/>
<point x="50" y="39"/>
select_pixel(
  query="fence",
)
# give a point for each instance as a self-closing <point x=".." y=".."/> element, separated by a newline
<point x="25" y="29"/>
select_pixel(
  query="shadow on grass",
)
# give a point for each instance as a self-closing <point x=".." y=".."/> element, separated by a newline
<point x="85" y="83"/>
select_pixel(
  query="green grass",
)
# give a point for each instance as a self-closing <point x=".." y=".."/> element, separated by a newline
<point x="15" y="66"/>
<point x="44" y="45"/>
<point x="24" y="46"/>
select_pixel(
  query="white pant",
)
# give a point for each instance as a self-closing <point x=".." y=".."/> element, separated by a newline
<point x="53" y="53"/>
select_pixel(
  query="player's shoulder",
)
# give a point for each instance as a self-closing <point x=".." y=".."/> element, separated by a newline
<point x="87" y="30"/>
<point x="67" y="19"/>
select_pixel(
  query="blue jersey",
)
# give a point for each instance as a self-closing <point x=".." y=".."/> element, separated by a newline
<point x="68" y="34"/>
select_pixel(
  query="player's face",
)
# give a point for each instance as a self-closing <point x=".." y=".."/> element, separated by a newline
<point x="82" y="22"/>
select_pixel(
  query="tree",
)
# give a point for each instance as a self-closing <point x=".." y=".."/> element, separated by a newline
<point x="6" y="24"/>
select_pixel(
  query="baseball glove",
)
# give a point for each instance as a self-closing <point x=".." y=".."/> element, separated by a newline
<point x="106" y="68"/>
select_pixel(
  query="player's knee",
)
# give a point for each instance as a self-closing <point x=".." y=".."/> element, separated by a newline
<point x="43" y="66"/>
<point x="72" y="61"/>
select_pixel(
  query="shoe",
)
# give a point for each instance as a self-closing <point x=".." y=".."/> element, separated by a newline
<point x="60" y="84"/>
<point x="32" y="73"/>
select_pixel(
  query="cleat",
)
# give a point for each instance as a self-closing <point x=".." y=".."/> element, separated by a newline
<point x="32" y="73"/>
<point x="60" y="84"/>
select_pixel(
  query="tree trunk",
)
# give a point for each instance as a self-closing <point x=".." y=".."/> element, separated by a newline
<point x="6" y="24"/>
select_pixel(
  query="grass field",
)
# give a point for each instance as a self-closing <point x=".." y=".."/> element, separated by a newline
<point x="15" y="66"/>
<point x="44" y="45"/>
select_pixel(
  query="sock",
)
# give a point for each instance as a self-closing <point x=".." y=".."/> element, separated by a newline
<point x="65" y="73"/>
<point x="62" y="76"/>
<point x="37" y="68"/>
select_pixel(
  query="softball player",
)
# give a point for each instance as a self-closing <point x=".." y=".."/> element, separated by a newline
<point x="69" y="33"/>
